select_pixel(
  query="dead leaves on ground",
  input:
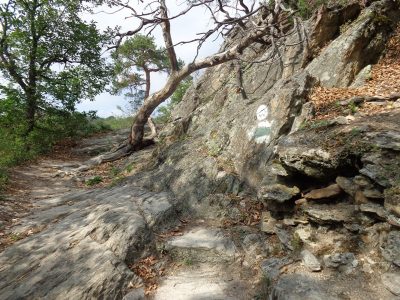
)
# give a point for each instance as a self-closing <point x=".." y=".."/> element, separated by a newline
<point x="250" y="212"/>
<point x="148" y="269"/>
<point x="384" y="80"/>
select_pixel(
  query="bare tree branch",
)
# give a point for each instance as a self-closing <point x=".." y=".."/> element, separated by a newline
<point x="166" y="30"/>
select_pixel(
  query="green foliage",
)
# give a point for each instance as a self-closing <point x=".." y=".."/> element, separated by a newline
<point x="306" y="8"/>
<point x="188" y="261"/>
<point x="129" y="167"/>
<point x="94" y="180"/>
<point x="134" y="60"/>
<point x="164" y="112"/>
<point x="353" y="107"/>
<point x="49" y="56"/>
<point x="296" y="243"/>
<point x="50" y="59"/>
<point x="113" y="123"/>
<point x="314" y="124"/>
<point x="15" y="147"/>
<point x="115" y="171"/>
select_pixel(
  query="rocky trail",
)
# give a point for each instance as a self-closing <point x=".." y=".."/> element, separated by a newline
<point x="291" y="193"/>
<point x="74" y="242"/>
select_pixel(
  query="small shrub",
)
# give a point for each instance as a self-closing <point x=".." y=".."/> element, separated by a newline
<point x="188" y="261"/>
<point x="115" y="171"/>
<point x="94" y="180"/>
<point x="353" y="108"/>
<point x="297" y="243"/>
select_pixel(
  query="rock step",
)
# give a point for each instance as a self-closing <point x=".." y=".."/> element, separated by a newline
<point x="202" y="244"/>
<point x="201" y="282"/>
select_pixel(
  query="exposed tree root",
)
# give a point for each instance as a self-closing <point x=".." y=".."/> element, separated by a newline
<point x="123" y="150"/>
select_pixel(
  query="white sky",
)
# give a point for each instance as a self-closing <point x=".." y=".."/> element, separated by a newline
<point x="182" y="28"/>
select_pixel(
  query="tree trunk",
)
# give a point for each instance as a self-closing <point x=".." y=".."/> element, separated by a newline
<point x="149" y="105"/>
<point x="150" y="122"/>
<point x="30" y="112"/>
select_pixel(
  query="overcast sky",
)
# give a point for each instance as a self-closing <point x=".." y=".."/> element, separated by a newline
<point x="182" y="28"/>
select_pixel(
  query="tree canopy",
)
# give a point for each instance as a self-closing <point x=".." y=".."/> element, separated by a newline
<point x="134" y="61"/>
<point x="50" y="58"/>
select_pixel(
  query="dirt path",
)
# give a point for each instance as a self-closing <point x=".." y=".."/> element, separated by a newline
<point x="48" y="177"/>
<point x="29" y="184"/>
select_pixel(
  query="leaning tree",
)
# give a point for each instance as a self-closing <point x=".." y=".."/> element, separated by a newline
<point x="134" y="62"/>
<point x="258" y="22"/>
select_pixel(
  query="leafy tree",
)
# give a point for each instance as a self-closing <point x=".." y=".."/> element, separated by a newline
<point x="49" y="57"/>
<point x="134" y="61"/>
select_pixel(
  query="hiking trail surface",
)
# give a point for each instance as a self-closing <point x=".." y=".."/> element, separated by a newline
<point x="64" y="240"/>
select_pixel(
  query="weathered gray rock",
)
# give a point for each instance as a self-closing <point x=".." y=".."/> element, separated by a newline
<point x="304" y="158"/>
<point x="390" y="250"/>
<point x="362" y="77"/>
<point x="203" y="238"/>
<point x="392" y="282"/>
<point x="392" y="200"/>
<point x="271" y="266"/>
<point x="345" y="262"/>
<point x="328" y="214"/>
<point x="201" y="282"/>
<point x="347" y="185"/>
<point x="304" y="233"/>
<point x="338" y="64"/>
<point x="375" y="209"/>
<point x="137" y="294"/>
<point x="278" y="192"/>
<point x="387" y="140"/>
<point x="83" y="253"/>
<point x="267" y="222"/>
<point x="394" y="220"/>
<point x="285" y="238"/>
<point x="382" y="167"/>
<point x="310" y="261"/>
<point x="96" y="146"/>
<point x="299" y="286"/>
<point x="327" y="192"/>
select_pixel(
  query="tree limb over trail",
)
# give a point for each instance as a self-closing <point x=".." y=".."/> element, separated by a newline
<point x="265" y="22"/>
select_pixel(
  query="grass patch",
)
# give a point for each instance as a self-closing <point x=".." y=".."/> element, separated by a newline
<point x="114" y="123"/>
<point x="94" y="180"/>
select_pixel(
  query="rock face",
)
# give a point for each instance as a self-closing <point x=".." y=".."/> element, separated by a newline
<point x="242" y="137"/>
<point x="364" y="35"/>
<point x="391" y="248"/>
<point x="296" y="286"/>
<point x="85" y="254"/>
<point x="392" y="282"/>
<point x="201" y="238"/>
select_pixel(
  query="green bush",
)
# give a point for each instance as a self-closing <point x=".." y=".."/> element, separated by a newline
<point x="51" y="126"/>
